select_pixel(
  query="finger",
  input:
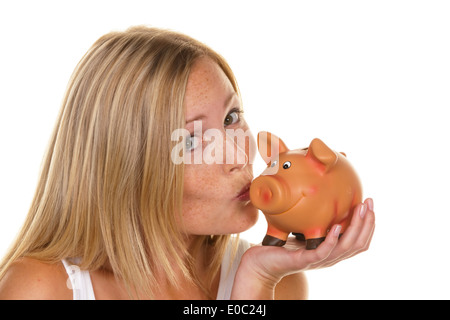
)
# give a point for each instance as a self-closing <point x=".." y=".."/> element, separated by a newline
<point x="356" y="245"/>
<point x="365" y="238"/>
<point x="346" y="246"/>
<point x="352" y="233"/>
<point x="369" y="203"/>
<point x="367" y="230"/>
<point x="323" y="251"/>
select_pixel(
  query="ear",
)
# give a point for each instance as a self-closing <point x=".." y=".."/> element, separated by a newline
<point x="320" y="152"/>
<point x="270" y="146"/>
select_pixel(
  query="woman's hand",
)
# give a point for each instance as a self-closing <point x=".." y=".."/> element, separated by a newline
<point x="262" y="267"/>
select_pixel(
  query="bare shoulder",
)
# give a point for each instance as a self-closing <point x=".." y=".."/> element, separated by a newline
<point x="29" y="278"/>
<point x="292" y="287"/>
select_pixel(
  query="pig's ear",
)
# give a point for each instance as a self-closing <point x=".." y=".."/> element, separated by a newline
<point x="270" y="146"/>
<point x="320" y="152"/>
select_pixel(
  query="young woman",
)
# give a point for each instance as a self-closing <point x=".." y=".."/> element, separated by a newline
<point x="115" y="217"/>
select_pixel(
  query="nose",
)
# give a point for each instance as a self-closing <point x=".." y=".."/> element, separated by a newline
<point x="235" y="153"/>
<point x="269" y="194"/>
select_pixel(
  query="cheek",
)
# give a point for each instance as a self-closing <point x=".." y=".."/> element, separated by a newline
<point x="200" y="182"/>
<point x="206" y="209"/>
<point x="202" y="194"/>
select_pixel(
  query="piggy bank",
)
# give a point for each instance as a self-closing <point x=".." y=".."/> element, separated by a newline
<point x="303" y="191"/>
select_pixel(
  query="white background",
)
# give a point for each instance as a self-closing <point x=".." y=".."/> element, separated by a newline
<point x="370" y="78"/>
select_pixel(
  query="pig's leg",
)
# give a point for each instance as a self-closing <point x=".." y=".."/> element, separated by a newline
<point x="313" y="243"/>
<point x="274" y="237"/>
<point x="314" y="238"/>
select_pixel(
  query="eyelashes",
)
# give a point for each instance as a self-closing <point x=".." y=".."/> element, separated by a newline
<point x="234" y="116"/>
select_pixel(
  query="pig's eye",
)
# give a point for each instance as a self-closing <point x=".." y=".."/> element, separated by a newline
<point x="287" y="165"/>
<point x="274" y="164"/>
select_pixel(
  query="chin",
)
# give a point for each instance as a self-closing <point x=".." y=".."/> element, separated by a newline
<point x="227" y="220"/>
<point x="244" y="219"/>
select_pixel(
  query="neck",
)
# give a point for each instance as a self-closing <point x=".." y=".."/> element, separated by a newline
<point x="198" y="257"/>
<point x="186" y="288"/>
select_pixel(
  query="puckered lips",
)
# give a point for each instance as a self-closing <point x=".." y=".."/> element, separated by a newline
<point x="244" y="193"/>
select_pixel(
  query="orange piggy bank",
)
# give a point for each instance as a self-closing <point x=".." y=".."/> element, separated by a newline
<point x="303" y="191"/>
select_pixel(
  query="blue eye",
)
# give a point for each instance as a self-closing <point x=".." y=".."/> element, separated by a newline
<point x="190" y="143"/>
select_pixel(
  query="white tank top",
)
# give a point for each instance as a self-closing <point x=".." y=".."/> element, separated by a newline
<point x="80" y="280"/>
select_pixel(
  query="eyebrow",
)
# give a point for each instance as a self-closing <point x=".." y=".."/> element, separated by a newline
<point x="197" y="118"/>
<point x="203" y="116"/>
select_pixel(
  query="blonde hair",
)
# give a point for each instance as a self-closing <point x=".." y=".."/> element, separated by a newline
<point x="108" y="191"/>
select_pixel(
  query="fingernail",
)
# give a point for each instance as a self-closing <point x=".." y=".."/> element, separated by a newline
<point x="337" y="230"/>
<point x="370" y="204"/>
<point x="363" y="210"/>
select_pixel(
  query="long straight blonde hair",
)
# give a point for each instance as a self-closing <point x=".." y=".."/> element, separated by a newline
<point x="108" y="191"/>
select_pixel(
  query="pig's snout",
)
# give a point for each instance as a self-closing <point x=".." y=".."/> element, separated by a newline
<point x="269" y="194"/>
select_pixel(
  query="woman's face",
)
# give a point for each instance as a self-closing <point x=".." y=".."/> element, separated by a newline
<point x="217" y="155"/>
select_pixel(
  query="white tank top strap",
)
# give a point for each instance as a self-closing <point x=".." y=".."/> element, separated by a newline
<point x="80" y="282"/>
<point x="229" y="268"/>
